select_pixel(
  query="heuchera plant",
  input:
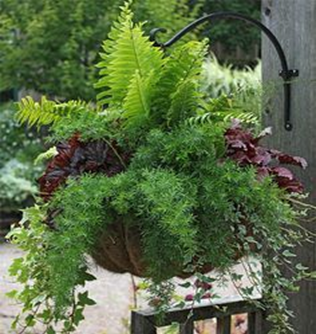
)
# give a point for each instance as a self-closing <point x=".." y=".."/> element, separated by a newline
<point x="75" y="157"/>
<point x="149" y="182"/>
<point x="246" y="150"/>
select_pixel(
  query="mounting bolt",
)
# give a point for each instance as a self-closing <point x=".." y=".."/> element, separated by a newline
<point x="267" y="11"/>
<point x="288" y="126"/>
<point x="289" y="74"/>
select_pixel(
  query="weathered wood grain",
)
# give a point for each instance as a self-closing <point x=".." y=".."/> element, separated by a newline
<point x="223" y="325"/>
<point x="294" y="23"/>
<point x="142" y="325"/>
<point x="187" y="327"/>
<point x="145" y="321"/>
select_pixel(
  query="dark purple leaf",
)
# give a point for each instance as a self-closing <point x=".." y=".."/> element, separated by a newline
<point x="282" y="172"/>
<point x="292" y="160"/>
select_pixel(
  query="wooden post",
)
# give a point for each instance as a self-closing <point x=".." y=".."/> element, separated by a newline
<point x="141" y="325"/>
<point x="294" y="24"/>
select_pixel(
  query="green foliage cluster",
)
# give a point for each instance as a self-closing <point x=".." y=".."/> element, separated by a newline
<point x="234" y="93"/>
<point x="16" y="185"/>
<point x="18" y="149"/>
<point x="192" y="205"/>
<point x="16" y="141"/>
<point x="232" y="33"/>
<point x="60" y="40"/>
<point x="226" y="80"/>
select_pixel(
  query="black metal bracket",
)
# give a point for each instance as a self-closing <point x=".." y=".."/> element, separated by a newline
<point x="286" y="73"/>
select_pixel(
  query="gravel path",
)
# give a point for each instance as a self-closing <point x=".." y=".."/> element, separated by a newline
<point x="112" y="292"/>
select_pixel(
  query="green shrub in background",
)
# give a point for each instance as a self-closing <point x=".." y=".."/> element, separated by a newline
<point x="16" y="141"/>
<point x="18" y="150"/>
<point x="241" y="89"/>
<point x="233" y="33"/>
<point x="16" y="185"/>
<point x="60" y="40"/>
<point x="225" y="79"/>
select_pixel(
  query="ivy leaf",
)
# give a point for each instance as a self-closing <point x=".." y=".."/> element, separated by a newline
<point x="312" y="275"/>
<point x="248" y="291"/>
<point x="300" y="267"/>
<point x="78" y="316"/>
<point x="180" y="305"/>
<point x="29" y="320"/>
<point x="50" y="330"/>
<point x="89" y="277"/>
<point x="12" y="294"/>
<point x="287" y="253"/>
<point x="85" y="300"/>
<point x="86" y="277"/>
<point x="68" y="326"/>
<point x="237" y="277"/>
<point x="15" y="322"/>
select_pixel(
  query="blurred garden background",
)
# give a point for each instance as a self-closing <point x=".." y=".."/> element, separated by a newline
<point x="50" y="48"/>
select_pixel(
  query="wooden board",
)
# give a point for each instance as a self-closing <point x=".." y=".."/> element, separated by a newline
<point x="294" y="23"/>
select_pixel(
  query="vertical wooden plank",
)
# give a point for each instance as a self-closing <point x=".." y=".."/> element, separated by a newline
<point x="187" y="328"/>
<point x="255" y="323"/>
<point x="140" y="325"/>
<point x="223" y="325"/>
<point x="251" y="323"/>
<point x="294" y="23"/>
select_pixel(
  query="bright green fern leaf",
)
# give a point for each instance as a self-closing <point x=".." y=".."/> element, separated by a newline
<point x="225" y="109"/>
<point x="186" y="97"/>
<point x="47" y="112"/>
<point x="137" y="101"/>
<point x="126" y="53"/>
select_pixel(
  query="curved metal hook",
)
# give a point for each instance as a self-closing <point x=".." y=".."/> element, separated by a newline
<point x="285" y="73"/>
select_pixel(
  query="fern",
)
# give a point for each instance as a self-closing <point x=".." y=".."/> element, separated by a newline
<point x="130" y="63"/>
<point x="223" y="109"/>
<point x="177" y="94"/>
<point x="226" y="116"/>
<point x="186" y="97"/>
<point x="136" y="102"/>
<point x="47" y="112"/>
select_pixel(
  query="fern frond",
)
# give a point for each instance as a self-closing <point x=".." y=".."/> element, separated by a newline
<point x="224" y="109"/>
<point x="185" y="96"/>
<point x="137" y="102"/>
<point x="225" y="116"/>
<point x="242" y="115"/>
<point x="126" y="53"/>
<point x="184" y="101"/>
<point x="47" y="112"/>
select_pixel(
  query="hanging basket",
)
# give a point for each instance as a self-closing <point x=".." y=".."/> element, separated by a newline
<point x="119" y="250"/>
